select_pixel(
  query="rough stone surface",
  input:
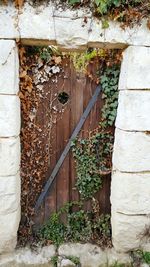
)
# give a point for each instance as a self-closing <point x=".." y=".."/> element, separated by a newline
<point x="8" y="22"/>
<point x="9" y="67"/>
<point x="9" y="156"/>
<point x="40" y="256"/>
<point x="42" y="26"/>
<point x="72" y="33"/>
<point x="116" y="37"/>
<point x="14" y="24"/>
<point x="90" y="255"/>
<point x="66" y="263"/>
<point x="130" y="192"/>
<point x="127" y="231"/>
<point x="137" y="36"/>
<point x="135" y="68"/>
<point x="131" y="151"/>
<point x="8" y="231"/>
<point x="9" y="194"/>
<point x="26" y="258"/>
<point x="146" y="247"/>
<point x="9" y="116"/>
<point x="62" y="12"/>
<point x="133" y="110"/>
<point x="96" y="34"/>
<point x="113" y="257"/>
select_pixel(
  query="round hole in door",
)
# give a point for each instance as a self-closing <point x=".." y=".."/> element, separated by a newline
<point x="63" y="97"/>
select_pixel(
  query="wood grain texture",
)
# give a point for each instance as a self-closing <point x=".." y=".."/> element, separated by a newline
<point x="65" y="117"/>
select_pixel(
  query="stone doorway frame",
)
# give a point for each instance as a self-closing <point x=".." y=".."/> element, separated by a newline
<point x="130" y="188"/>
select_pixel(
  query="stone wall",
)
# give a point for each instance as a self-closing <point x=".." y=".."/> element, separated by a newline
<point x="67" y="29"/>
<point x="9" y="145"/>
<point x="130" y="189"/>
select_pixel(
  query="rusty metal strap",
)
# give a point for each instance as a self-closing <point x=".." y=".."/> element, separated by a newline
<point x="67" y="148"/>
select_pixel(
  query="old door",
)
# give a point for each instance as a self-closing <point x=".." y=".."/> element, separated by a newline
<point x="68" y="94"/>
<point x="64" y="97"/>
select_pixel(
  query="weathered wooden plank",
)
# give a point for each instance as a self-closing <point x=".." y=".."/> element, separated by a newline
<point x="78" y="82"/>
<point x="63" y="135"/>
<point x="67" y="148"/>
<point x="50" y="199"/>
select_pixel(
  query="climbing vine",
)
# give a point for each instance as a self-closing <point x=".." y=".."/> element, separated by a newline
<point x="93" y="155"/>
<point x="79" y="226"/>
<point x="127" y="12"/>
<point x="109" y="83"/>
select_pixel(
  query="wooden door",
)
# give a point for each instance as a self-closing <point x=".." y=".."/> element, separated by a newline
<point x="63" y="117"/>
<point x="64" y="98"/>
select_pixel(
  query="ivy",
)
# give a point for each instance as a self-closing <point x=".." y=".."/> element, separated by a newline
<point x="91" y="162"/>
<point x="146" y="257"/>
<point x="93" y="155"/>
<point x="73" y="2"/>
<point x="128" y="12"/>
<point x="74" y="259"/>
<point x="53" y="230"/>
<point x="54" y="260"/>
<point x="79" y="226"/>
<point x="109" y="83"/>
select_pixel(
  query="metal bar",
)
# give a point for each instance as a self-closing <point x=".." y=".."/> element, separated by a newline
<point x="67" y="148"/>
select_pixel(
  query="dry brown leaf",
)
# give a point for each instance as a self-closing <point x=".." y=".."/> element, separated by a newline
<point x="148" y="24"/>
<point x="19" y="3"/>
<point x="23" y="74"/>
<point x="57" y="60"/>
<point x="29" y="88"/>
<point x="21" y="96"/>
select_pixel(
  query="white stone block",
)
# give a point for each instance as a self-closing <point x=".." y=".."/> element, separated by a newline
<point x="72" y="33"/>
<point x="130" y="192"/>
<point x="133" y="110"/>
<point x="121" y="258"/>
<point x="131" y="151"/>
<point x="9" y="67"/>
<point x="127" y="231"/>
<point x="8" y="231"/>
<point x="8" y="22"/>
<point x="9" y="194"/>
<point x="112" y="37"/>
<point x="39" y="257"/>
<point x="9" y="115"/>
<point x="135" y="68"/>
<point x="9" y="156"/>
<point x="115" y="36"/>
<point x="96" y="34"/>
<point x="66" y="263"/>
<point x="89" y="255"/>
<point x="42" y="26"/>
<point x="137" y="35"/>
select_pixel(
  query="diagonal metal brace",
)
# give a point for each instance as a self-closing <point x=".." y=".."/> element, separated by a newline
<point x="67" y="148"/>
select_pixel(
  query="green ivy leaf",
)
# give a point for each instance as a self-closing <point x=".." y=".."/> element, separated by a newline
<point x="73" y="2"/>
